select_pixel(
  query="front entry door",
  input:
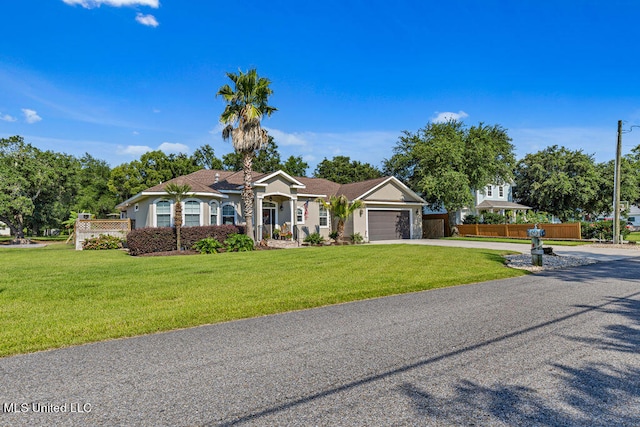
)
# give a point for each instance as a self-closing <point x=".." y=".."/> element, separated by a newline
<point x="268" y="219"/>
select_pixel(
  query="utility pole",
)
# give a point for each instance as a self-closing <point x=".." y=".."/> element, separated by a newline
<point x="616" y="188"/>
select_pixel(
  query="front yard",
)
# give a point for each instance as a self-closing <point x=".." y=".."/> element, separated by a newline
<point x="54" y="297"/>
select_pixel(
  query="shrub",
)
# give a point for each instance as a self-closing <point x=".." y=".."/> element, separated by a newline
<point x="314" y="239"/>
<point x="357" y="238"/>
<point x="238" y="243"/>
<point x="601" y="230"/>
<point x="102" y="242"/>
<point x="493" y="218"/>
<point x="160" y="239"/>
<point x="207" y="245"/>
<point x="471" y="219"/>
<point x="333" y="235"/>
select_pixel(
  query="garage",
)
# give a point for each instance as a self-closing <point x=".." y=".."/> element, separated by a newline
<point x="389" y="225"/>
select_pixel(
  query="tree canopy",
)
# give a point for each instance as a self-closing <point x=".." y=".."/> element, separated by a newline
<point x="446" y="162"/>
<point x="343" y="170"/>
<point x="36" y="187"/>
<point x="560" y="181"/>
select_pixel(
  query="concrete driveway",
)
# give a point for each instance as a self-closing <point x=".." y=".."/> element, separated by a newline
<point x="586" y="251"/>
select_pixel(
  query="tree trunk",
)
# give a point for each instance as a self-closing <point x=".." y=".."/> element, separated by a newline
<point x="453" y="230"/>
<point x="340" y="230"/>
<point x="15" y="227"/>
<point x="247" y="193"/>
<point x="177" y="221"/>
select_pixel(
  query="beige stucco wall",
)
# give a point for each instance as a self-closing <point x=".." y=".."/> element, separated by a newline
<point x="390" y="192"/>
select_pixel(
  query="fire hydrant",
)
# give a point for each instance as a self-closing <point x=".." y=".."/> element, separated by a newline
<point x="536" y="245"/>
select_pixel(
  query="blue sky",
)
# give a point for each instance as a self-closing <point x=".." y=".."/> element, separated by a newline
<point x="117" y="77"/>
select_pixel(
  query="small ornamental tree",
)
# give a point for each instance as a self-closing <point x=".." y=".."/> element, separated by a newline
<point x="341" y="208"/>
<point x="178" y="193"/>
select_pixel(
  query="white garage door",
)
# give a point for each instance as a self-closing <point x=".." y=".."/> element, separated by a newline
<point x="389" y="225"/>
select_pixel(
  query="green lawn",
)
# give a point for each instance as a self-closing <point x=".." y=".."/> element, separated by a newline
<point x="633" y="237"/>
<point x="523" y="241"/>
<point x="55" y="296"/>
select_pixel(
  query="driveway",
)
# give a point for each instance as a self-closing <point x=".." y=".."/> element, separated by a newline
<point x="557" y="348"/>
<point x="596" y="252"/>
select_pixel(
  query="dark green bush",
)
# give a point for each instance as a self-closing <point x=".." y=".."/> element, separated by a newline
<point x="314" y="239"/>
<point x="471" y="219"/>
<point x="208" y="245"/>
<point x="153" y="239"/>
<point x="102" y="242"/>
<point x="239" y="243"/>
<point x="493" y="218"/>
<point x="357" y="238"/>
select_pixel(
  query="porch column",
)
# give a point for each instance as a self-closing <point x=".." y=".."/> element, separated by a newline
<point x="259" y="225"/>
<point x="292" y="209"/>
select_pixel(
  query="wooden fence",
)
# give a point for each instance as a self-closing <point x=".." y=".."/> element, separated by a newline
<point x="87" y="228"/>
<point x="552" y="231"/>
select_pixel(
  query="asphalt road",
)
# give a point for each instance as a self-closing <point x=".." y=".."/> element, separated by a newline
<point x="556" y="348"/>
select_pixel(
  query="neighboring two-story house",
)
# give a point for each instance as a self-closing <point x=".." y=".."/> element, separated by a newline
<point x="493" y="198"/>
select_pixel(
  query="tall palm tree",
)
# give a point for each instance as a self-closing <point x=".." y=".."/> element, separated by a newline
<point x="340" y="208"/>
<point x="246" y="105"/>
<point x="178" y="193"/>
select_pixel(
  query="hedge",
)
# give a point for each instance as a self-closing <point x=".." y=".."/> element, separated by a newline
<point x="161" y="239"/>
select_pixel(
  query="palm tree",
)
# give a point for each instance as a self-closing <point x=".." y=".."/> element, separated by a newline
<point x="178" y="193"/>
<point x="246" y="105"/>
<point x="340" y="208"/>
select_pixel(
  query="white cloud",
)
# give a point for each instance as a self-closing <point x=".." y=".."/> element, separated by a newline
<point x="138" y="150"/>
<point x="31" y="116"/>
<point x="135" y="132"/>
<point x="7" y="118"/>
<point x="446" y="116"/>
<point x="88" y="4"/>
<point x="169" y="147"/>
<point x="135" y="150"/>
<point x="148" y="20"/>
<point x="283" y="138"/>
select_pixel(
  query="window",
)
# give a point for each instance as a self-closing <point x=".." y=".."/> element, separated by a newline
<point x="213" y="218"/>
<point x="191" y="213"/>
<point x="631" y="219"/>
<point x="324" y="216"/>
<point x="489" y="191"/>
<point x="300" y="215"/>
<point x="228" y="214"/>
<point x="163" y="213"/>
<point x="501" y="191"/>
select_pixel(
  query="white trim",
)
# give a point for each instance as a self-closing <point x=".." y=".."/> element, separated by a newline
<point x="296" y="183"/>
<point x="154" y="209"/>
<point x="144" y="194"/>
<point x="396" y="203"/>
<point x="396" y="181"/>
<point x="411" y="219"/>
<point x="235" y="213"/>
<point x="311" y="196"/>
<point x="321" y="206"/>
<point x="211" y="204"/>
<point x="296" y="214"/>
<point x="200" y="211"/>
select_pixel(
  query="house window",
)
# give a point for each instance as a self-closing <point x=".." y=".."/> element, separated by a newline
<point x="324" y="216"/>
<point x="228" y="214"/>
<point x="191" y="213"/>
<point x="489" y="191"/>
<point x="300" y="215"/>
<point x="213" y="218"/>
<point x="631" y="219"/>
<point x="501" y="191"/>
<point x="163" y="213"/>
